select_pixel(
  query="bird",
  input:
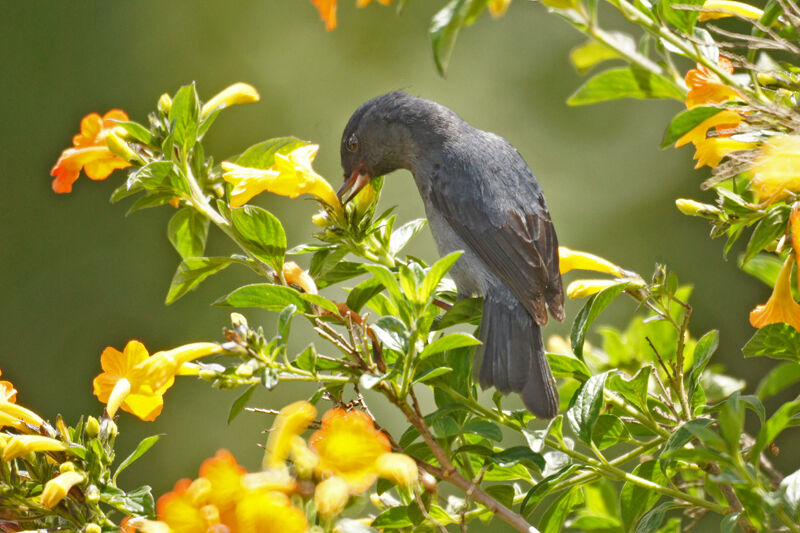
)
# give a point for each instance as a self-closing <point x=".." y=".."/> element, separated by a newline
<point x="480" y="197"/>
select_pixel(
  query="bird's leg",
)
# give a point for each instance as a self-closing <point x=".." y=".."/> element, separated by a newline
<point x="444" y="305"/>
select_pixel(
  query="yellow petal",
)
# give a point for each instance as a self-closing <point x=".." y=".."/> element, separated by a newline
<point x="331" y="496"/>
<point x="716" y="9"/>
<point x="238" y="93"/>
<point x="118" y="394"/>
<point x="19" y="445"/>
<point x="781" y="306"/>
<point x="728" y="118"/>
<point x="776" y="169"/>
<point x="398" y="468"/>
<point x="711" y="151"/>
<point x="586" y="287"/>
<point x="57" y="488"/>
<point x="291" y="421"/>
<point x="577" y="260"/>
<point x="498" y="8"/>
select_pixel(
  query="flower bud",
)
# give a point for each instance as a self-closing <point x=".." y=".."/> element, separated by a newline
<point x="108" y="428"/>
<point x="57" y="488"/>
<point x="92" y="494"/>
<point x="364" y="199"/>
<point x="119" y="147"/>
<point x="92" y="528"/>
<point x="429" y="482"/>
<point x="321" y="219"/>
<point x="244" y="370"/>
<point x="238" y="322"/>
<point x="331" y="496"/>
<point x="697" y="209"/>
<point x="238" y="93"/>
<point x="92" y="427"/>
<point x="398" y="468"/>
<point x="165" y="104"/>
<point x="67" y="466"/>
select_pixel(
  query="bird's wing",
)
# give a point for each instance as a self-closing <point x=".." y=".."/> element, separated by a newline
<point x="503" y="218"/>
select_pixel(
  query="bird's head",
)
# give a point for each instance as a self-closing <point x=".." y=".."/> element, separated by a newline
<point x="383" y="135"/>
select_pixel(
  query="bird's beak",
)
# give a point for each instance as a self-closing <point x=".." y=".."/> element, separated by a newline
<point x="357" y="180"/>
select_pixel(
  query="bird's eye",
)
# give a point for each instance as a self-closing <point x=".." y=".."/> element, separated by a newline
<point x="352" y="143"/>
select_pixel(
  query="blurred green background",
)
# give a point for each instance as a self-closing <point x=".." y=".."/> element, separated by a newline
<point x="77" y="276"/>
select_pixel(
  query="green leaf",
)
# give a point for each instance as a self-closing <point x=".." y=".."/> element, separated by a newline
<point x="652" y="519"/>
<point x="183" y="117"/>
<point x="436" y="273"/>
<point x="636" y="500"/>
<point x="402" y="235"/>
<point x="187" y="231"/>
<point x="541" y="489"/>
<point x="393" y="518"/>
<point x="765" y="267"/>
<point x="682" y="19"/>
<point x="449" y="342"/>
<point x="137" y="131"/>
<point x="608" y="431"/>
<point x="467" y="310"/>
<point x="769" y="228"/>
<point x="624" y="83"/>
<point x="586" y="405"/>
<point x="779" y="341"/>
<point x="193" y="271"/>
<point x="154" y="176"/>
<point x="446" y="25"/>
<point x="320" y="301"/>
<point x="517" y="454"/>
<point x="633" y="389"/>
<point x="594" y="52"/>
<point x="784" y="417"/>
<point x="683" y="435"/>
<point x="703" y="351"/>
<point x="147" y="201"/>
<point x="556" y="515"/>
<point x="266" y="296"/>
<point x="262" y="233"/>
<point x="567" y="366"/>
<point x="483" y="428"/>
<point x="432" y="373"/>
<point x="140" y="450"/>
<point x="502" y="493"/>
<point x="262" y="155"/>
<point x="362" y="293"/>
<point x="778" y="379"/>
<point x="387" y="279"/>
<point x="593" y="307"/>
<point x="241" y="402"/>
<point x="686" y="121"/>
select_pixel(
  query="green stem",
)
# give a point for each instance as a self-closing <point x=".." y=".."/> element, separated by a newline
<point x="646" y="421"/>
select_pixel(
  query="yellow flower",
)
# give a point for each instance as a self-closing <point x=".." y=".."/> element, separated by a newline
<point x="294" y="275"/>
<point x="272" y="480"/>
<point x="717" y="9"/>
<point x="136" y="382"/>
<point x="725" y="121"/>
<point x="586" y="287"/>
<point x="398" y="468"/>
<point x="349" y="446"/>
<point x="780" y="307"/>
<point x="298" y="177"/>
<point x="268" y="512"/>
<point x="577" y="260"/>
<point x="365" y="3"/>
<point x="711" y="151"/>
<point x="327" y="12"/>
<point x="57" y="488"/>
<point x="19" y="445"/>
<point x="12" y="414"/>
<point x="794" y="227"/>
<point x="696" y="209"/>
<point x="331" y="496"/>
<point x="290" y="422"/>
<point x="291" y="175"/>
<point x="304" y="460"/>
<point x="238" y="93"/>
<point x="498" y="8"/>
<point x="776" y="170"/>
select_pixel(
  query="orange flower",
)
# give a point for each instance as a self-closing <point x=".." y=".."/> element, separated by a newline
<point x="725" y="122"/>
<point x="7" y="391"/>
<point x="294" y="275"/>
<point x="705" y="87"/>
<point x="12" y="414"/>
<point x="218" y="500"/>
<point x="349" y="446"/>
<point x="89" y="152"/>
<point x="136" y="381"/>
<point x="327" y="11"/>
<point x="780" y="307"/>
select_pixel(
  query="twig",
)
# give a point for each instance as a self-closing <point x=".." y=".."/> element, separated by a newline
<point x="425" y="513"/>
<point x="732" y="499"/>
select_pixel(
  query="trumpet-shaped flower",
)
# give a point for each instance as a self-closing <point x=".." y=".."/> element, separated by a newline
<point x="238" y="93"/>
<point x="291" y="175"/>
<point x="268" y="512"/>
<point x="290" y="422"/>
<point x="57" y="488"/>
<point x="12" y="414"/>
<point x="577" y="260"/>
<point x="776" y="169"/>
<point x="136" y="382"/>
<point x="781" y="306"/>
<point x="19" y="445"/>
<point x="7" y="391"/>
<point x="711" y="151"/>
<point x="89" y="152"/>
<point x="726" y="122"/>
<point x="586" y="287"/>
<point x="294" y="275"/>
<point x="717" y="9"/>
<point x="349" y="446"/>
<point x="705" y="87"/>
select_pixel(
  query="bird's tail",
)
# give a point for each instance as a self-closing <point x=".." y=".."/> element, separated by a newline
<point x="513" y="354"/>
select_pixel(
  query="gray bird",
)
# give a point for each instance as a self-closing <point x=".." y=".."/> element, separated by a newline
<point x="480" y="197"/>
